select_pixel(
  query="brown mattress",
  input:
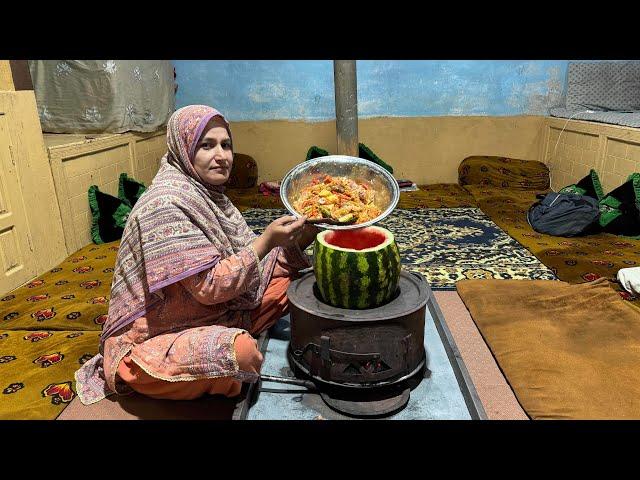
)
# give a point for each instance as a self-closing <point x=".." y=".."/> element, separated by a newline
<point x="568" y="351"/>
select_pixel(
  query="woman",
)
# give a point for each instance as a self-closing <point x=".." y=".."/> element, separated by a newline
<point x="192" y="282"/>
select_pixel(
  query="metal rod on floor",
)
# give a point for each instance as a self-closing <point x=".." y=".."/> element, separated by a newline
<point x="292" y="381"/>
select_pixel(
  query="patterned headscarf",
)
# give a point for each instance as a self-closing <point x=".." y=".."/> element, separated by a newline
<point x="179" y="227"/>
<point x="188" y="125"/>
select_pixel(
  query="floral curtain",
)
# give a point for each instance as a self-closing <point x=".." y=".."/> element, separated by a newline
<point x="103" y="96"/>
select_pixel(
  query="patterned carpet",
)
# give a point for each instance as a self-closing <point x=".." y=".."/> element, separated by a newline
<point x="438" y="195"/>
<point x="447" y="245"/>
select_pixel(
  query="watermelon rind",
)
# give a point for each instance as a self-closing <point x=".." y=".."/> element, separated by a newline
<point x="357" y="279"/>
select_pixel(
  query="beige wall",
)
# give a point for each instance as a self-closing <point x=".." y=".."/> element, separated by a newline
<point x="426" y="150"/>
<point x="571" y="148"/>
<point x="77" y="162"/>
<point x="423" y="149"/>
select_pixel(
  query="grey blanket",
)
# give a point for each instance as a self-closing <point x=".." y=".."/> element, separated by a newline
<point x="103" y="96"/>
<point x="607" y="92"/>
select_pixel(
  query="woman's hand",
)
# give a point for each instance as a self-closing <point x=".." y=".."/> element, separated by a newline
<point x="282" y="232"/>
<point x="308" y="235"/>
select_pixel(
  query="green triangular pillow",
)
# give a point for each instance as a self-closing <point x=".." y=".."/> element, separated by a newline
<point x="620" y="209"/>
<point x="130" y="189"/>
<point x="315" y="152"/>
<point x="108" y="215"/>
<point x="363" y="152"/>
<point x="366" y="153"/>
<point x="589" y="186"/>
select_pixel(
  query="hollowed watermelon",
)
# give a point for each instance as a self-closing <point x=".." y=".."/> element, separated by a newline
<point x="356" y="269"/>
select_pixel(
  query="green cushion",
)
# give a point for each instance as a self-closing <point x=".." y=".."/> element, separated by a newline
<point x="590" y="186"/>
<point x="130" y="189"/>
<point x="315" y="152"/>
<point x="109" y="215"/>
<point x="363" y="152"/>
<point x="366" y="153"/>
<point x="620" y="209"/>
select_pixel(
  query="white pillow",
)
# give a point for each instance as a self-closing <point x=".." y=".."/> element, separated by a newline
<point x="629" y="278"/>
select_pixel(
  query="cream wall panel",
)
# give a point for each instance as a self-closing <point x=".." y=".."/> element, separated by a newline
<point x="573" y="147"/>
<point x="149" y="152"/>
<point x="83" y="161"/>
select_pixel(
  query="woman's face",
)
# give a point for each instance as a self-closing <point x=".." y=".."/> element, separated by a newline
<point x="214" y="154"/>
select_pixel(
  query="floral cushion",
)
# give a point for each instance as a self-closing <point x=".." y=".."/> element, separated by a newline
<point x="244" y="172"/>
<point x="504" y="172"/>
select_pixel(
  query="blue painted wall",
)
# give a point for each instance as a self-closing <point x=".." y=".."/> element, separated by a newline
<point x="303" y="89"/>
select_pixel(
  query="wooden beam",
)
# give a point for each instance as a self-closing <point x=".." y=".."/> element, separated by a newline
<point x="21" y="74"/>
<point x="346" y="93"/>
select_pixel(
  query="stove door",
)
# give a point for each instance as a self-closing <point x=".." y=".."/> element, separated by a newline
<point x="363" y="355"/>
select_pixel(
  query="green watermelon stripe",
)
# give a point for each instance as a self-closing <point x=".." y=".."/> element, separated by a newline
<point x="384" y="291"/>
<point x="395" y="269"/>
<point x="327" y="275"/>
<point x="335" y="275"/>
<point x="374" y="274"/>
<point x="320" y="269"/>
<point x="344" y="268"/>
<point x="351" y="288"/>
<point x="365" y="281"/>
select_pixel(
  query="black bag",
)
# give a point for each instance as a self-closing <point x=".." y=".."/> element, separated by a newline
<point x="564" y="215"/>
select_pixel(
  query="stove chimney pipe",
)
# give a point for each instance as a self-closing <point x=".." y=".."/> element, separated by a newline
<point x="346" y="95"/>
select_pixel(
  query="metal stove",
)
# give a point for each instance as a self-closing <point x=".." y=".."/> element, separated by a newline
<point x="364" y="363"/>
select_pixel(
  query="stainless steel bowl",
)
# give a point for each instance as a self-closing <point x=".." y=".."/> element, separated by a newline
<point x="387" y="192"/>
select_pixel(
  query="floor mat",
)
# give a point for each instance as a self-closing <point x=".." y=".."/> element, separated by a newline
<point x="497" y="397"/>
<point x="138" y="407"/>
<point x="447" y="245"/>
